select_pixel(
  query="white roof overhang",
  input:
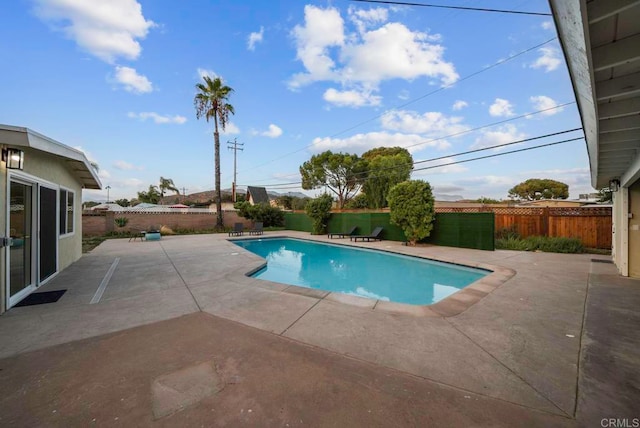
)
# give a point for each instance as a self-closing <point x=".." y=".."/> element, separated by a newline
<point x="76" y="161"/>
<point x="601" y="44"/>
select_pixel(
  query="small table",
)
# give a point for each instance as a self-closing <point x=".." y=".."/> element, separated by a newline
<point x="141" y="234"/>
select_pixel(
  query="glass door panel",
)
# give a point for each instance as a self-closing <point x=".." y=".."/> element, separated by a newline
<point x="20" y="229"/>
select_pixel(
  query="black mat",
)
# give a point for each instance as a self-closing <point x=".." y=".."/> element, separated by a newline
<point x="601" y="261"/>
<point x="41" y="298"/>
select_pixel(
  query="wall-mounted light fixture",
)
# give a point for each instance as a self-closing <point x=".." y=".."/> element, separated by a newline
<point x="13" y="157"/>
<point x="614" y="185"/>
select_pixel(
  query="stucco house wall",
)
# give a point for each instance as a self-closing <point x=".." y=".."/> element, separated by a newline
<point x="58" y="167"/>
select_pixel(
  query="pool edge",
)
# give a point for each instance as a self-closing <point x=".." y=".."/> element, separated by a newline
<point x="450" y="306"/>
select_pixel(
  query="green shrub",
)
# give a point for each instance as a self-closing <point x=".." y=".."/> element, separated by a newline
<point x="411" y="207"/>
<point x="507" y="233"/>
<point x="359" y="201"/>
<point x="547" y="244"/>
<point x="319" y="210"/>
<point x="121" y="221"/>
<point x="268" y="215"/>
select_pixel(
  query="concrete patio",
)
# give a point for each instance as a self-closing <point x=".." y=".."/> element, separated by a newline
<point x="181" y="309"/>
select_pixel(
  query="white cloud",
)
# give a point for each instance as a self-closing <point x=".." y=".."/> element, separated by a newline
<point x="547" y="25"/>
<point x="366" y="18"/>
<point x="157" y="118"/>
<point x="542" y="102"/>
<point x="323" y="29"/>
<point x="230" y="129"/>
<point x="501" y="107"/>
<point x="88" y="155"/>
<point x="255" y="37"/>
<point x="459" y="105"/>
<point x="549" y="59"/>
<point x="360" y="143"/>
<point x="351" y="98"/>
<point x="106" y="29"/>
<point x="404" y="95"/>
<point x="132" y="81"/>
<point x="366" y="57"/>
<point x="431" y="123"/>
<point x="205" y="72"/>
<point x="505" y="134"/>
<point x="274" y="131"/>
<point x="126" y="166"/>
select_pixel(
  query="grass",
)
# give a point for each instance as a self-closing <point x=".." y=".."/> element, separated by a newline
<point x="91" y="242"/>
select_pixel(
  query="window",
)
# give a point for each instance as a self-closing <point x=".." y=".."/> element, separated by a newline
<point x="66" y="211"/>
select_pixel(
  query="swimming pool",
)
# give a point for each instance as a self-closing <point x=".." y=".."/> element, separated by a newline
<point x="361" y="272"/>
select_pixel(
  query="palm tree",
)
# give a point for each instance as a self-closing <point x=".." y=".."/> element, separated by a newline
<point x="211" y="102"/>
<point x="167" y="184"/>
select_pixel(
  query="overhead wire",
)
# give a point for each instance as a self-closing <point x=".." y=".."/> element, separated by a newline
<point x="297" y="183"/>
<point x="421" y="97"/>
<point x="475" y="9"/>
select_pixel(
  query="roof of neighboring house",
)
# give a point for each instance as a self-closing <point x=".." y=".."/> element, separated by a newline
<point x="75" y="159"/>
<point x="258" y="194"/>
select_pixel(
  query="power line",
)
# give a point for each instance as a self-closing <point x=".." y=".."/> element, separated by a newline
<point x="456" y="134"/>
<point x="476" y="9"/>
<point x="466" y="153"/>
<point x="496" y="64"/>
<point x="499" y="154"/>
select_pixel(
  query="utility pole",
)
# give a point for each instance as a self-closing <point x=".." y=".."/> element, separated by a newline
<point x="184" y="192"/>
<point x="108" y="188"/>
<point x="234" y="146"/>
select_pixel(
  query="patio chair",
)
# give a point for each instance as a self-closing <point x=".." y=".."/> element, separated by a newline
<point x="343" y="234"/>
<point x="375" y="235"/>
<point x="238" y="229"/>
<point x="257" y="229"/>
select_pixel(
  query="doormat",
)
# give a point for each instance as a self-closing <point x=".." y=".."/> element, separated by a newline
<point x="41" y="298"/>
<point x="601" y="261"/>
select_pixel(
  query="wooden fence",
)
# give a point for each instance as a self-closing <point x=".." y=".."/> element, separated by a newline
<point x="592" y="225"/>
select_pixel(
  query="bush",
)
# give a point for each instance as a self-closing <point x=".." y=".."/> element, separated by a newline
<point x="507" y="233"/>
<point x="357" y="202"/>
<point x="268" y="215"/>
<point x="547" y="244"/>
<point x="121" y="221"/>
<point x="411" y="206"/>
<point x="319" y="210"/>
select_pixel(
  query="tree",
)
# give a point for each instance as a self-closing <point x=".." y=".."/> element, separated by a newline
<point x="319" y="210"/>
<point x="534" y="189"/>
<point x="167" y="184"/>
<point x="342" y="173"/>
<point x="411" y="206"/>
<point x="122" y="202"/>
<point x="485" y="200"/>
<point x="605" y="196"/>
<point x="151" y="196"/>
<point x="387" y="166"/>
<point x="211" y="101"/>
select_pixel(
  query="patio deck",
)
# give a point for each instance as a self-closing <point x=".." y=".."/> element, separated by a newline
<point x="524" y="352"/>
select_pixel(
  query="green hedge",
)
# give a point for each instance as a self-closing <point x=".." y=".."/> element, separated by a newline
<point x="464" y="230"/>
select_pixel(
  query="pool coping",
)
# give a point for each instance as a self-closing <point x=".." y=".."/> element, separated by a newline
<point x="452" y="305"/>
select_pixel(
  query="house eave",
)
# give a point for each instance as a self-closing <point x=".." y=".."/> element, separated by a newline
<point x="76" y="160"/>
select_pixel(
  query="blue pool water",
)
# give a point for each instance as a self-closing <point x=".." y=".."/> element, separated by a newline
<point x="360" y="272"/>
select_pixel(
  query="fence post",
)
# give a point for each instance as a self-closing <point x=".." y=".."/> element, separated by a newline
<point x="545" y="221"/>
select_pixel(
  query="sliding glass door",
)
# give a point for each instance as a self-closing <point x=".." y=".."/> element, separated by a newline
<point x="20" y="254"/>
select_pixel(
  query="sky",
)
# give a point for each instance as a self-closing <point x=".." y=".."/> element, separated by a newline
<point x="117" y="79"/>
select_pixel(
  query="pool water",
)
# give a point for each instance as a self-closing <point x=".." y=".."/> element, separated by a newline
<point x="359" y="272"/>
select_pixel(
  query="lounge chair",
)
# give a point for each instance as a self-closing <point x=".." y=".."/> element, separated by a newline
<point x="375" y="235"/>
<point x="257" y="229"/>
<point x="238" y="230"/>
<point x="343" y="234"/>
